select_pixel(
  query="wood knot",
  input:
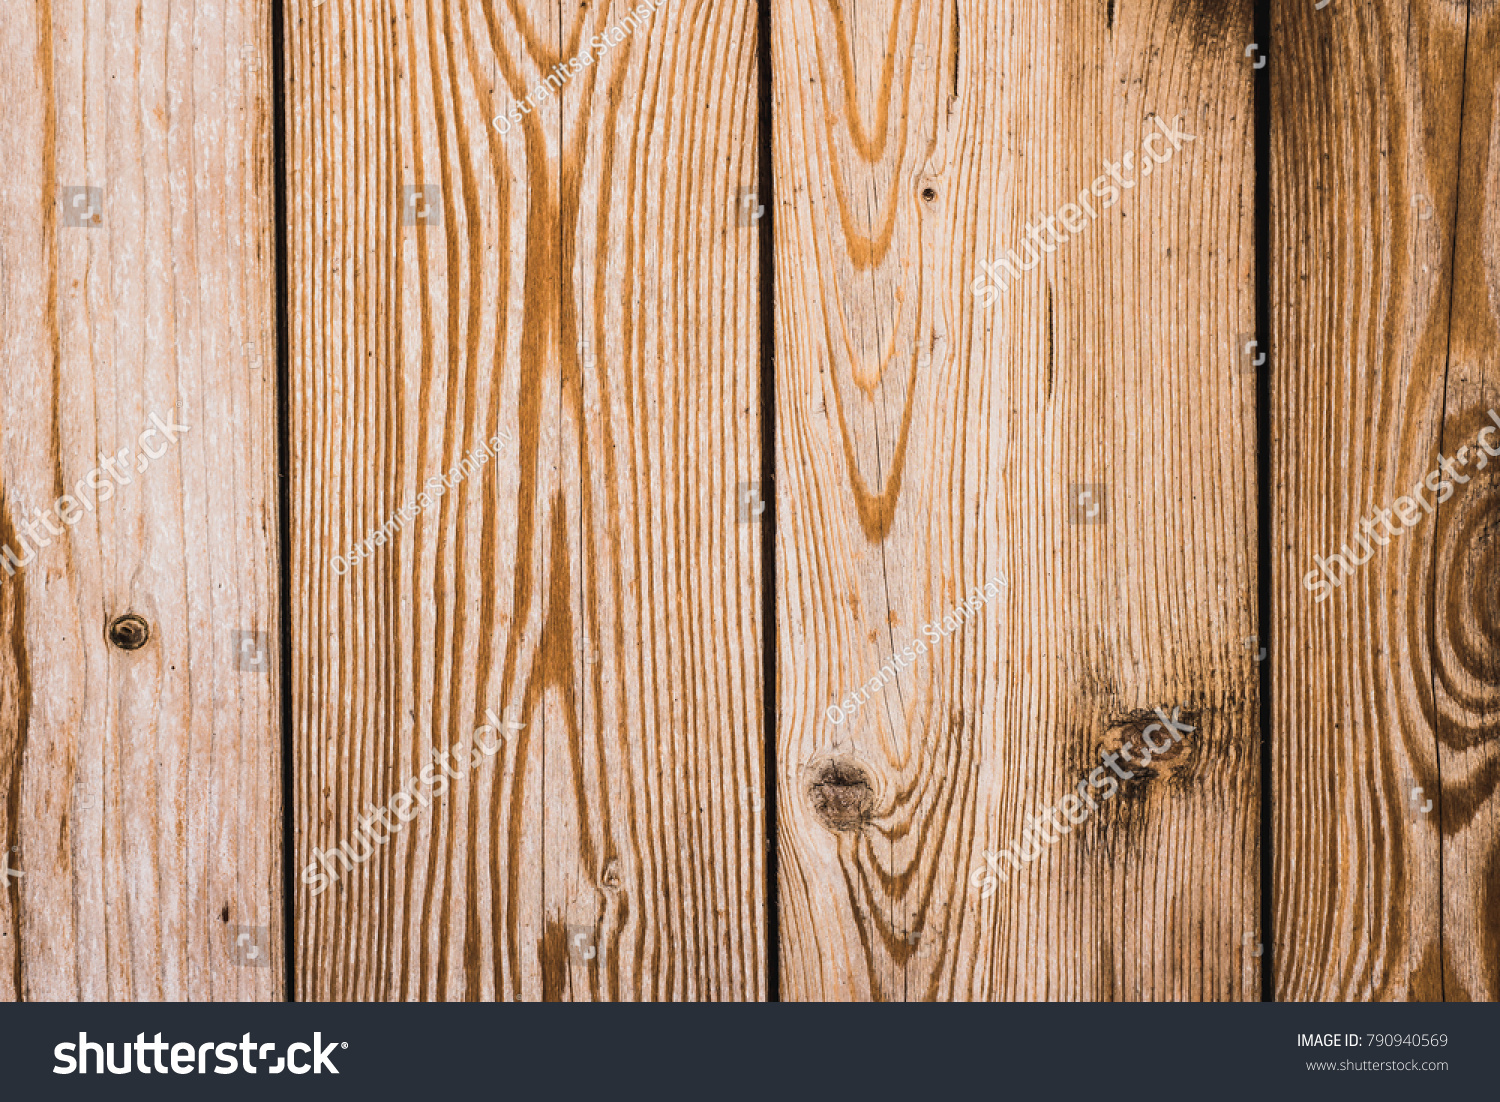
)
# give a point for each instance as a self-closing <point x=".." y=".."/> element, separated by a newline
<point x="841" y="794"/>
<point x="610" y="878"/>
<point x="1149" y="750"/>
<point x="128" y="632"/>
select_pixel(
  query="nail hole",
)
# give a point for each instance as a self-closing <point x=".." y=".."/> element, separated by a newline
<point x="928" y="195"/>
<point x="129" y="632"/>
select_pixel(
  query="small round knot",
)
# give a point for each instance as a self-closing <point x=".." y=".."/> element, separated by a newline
<point x="841" y="794"/>
<point x="129" y="632"/>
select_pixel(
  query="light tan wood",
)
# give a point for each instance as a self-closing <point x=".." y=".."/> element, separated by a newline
<point x="589" y="582"/>
<point x="139" y="790"/>
<point x="1386" y="292"/>
<point x="926" y="445"/>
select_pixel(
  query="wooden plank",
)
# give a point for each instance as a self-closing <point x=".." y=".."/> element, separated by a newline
<point x="578" y="290"/>
<point x="139" y="789"/>
<point x="1385" y="284"/>
<point x="927" y="444"/>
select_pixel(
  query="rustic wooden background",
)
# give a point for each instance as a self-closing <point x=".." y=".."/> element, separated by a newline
<point x="713" y="297"/>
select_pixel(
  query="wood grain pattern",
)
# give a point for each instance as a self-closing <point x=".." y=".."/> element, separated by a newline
<point x="529" y="711"/>
<point x="1386" y="298"/>
<point x="588" y="294"/>
<point x="139" y="790"/>
<point x="926" y="445"/>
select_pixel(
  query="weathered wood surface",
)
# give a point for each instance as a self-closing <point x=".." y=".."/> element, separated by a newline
<point x="587" y="298"/>
<point x="578" y="292"/>
<point x="927" y="444"/>
<point x="140" y="790"/>
<point x="1386" y="306"/>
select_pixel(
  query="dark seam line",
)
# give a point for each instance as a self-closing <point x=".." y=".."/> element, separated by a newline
<point x="1265" y="605"/>
<point x="283" y="496"/>
<point x="767" y="242"/>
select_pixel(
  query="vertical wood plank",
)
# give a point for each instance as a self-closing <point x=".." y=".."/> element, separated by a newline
<point x="1386" y="297"/>
<point x="139" y="789"/>
<point x="1465" y="635"/>
<point x="577" y="290"/>
<point x="927" y="445"/>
